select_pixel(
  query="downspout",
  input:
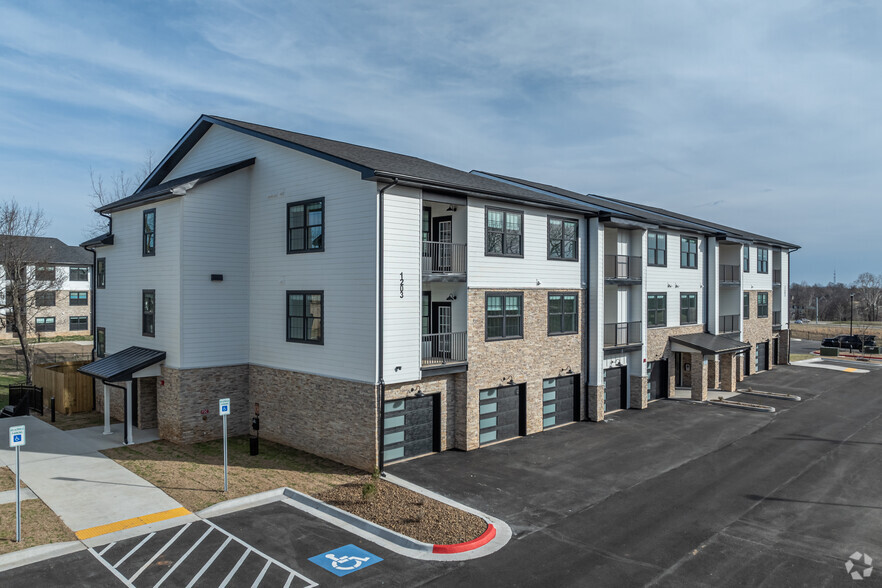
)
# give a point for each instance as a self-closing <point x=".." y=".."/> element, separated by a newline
<point x="706" y="283"/>
<point x="586" y="297"/>
<point x="380" y="382"/>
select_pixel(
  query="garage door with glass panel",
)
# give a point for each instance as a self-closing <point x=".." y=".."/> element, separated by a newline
<point x="500" y="414"/>
<point x="559" y="401"/>
<point x="410" y="427"/>
<point x="657" y="379"/>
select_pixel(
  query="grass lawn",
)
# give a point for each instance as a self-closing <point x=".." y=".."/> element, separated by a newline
<point x="39" y="525"/>
<point x="801" y="356"/>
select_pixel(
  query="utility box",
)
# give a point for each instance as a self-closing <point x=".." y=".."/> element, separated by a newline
<point x="829" y="351"/>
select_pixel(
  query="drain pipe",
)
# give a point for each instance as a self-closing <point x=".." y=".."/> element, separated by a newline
<point x="381" y="413"/>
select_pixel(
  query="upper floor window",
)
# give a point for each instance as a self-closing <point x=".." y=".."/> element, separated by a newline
<point x="149" y="240"/>
<point x="688" y="308"/>
<point x="762" y="304"/>
<point x="148" y="313"/>
<point x="45" y="273"/>
<point x="306" y="226"/>
<point x="100" y="342"/>
<point x="79" y="323"/>
<point x="427" y="223"/>
<point x="44" y="298"/>
<point x="746" y="264"/>
<point x="504" y="315"/>
<point x="100" y="272"/>
<point x="688" y="252"/>
<point x="79" y="299"/>
<point x="305" y="312"/>
<point x="79" y="274"/>
<point x="746" y="305"/>
<point x="657" y="249"/>
<point x="563" y="238"/>
<point x="504" y="232"/>
<point x="563" y="313"/>
<point x="762" y="261"/>
<point x="45" y="324"/>
<point x="657" y="310"/>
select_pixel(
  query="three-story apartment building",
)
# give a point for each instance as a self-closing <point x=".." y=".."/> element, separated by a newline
<point x="377" y="306"/>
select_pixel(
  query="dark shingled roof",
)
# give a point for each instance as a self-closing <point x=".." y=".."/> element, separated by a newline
<point x="120" y="366"/>
<point x="48" y="250"/>
<point x="710" y="344"/>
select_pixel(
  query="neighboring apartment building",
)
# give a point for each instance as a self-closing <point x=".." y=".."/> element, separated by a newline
<point x="63" y="273"/>
<point x="378" y="306"/>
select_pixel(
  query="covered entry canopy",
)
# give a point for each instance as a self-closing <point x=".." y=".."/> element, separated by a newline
<point x="122" y="366"/>
<point x="706" y="344"/>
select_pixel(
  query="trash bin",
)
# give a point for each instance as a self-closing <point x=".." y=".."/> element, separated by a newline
<point x="255" y="445"/>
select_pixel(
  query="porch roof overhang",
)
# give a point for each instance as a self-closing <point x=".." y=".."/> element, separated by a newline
<point x="707" y="344"/>
<point x="123" y="365"/>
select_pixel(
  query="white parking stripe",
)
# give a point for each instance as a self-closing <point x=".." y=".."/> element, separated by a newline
<point x="261" y="574"/>
<point x="134" y="549"/>
<point x="235" y="569"/>
<point x="208" y="563"/>
<point x="157" y="554"/>
<point x="113" y="570"/>
<point x="106" y="547"/>
<point x="183" y="557"/>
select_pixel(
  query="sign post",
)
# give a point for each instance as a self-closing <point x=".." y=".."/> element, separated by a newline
<point x="224" y="407"/>
<point x="17" y="439"/>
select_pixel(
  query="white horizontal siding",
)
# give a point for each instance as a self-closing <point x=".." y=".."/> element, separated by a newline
<point x="674" y="280"/>
<point x="753" y="280"/>
<point x="486" y="271"/>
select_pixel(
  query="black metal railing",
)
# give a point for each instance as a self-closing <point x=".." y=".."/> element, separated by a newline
<point x="31" y="395"/>
<point x="729" y="323"/>
<point x="776" y="318"/>
<point x="444" y="348"/>
<point x="730" y="274"/>
<point x="623" y="267"/>
<point x="444" y="258"/>
<point x="619" y="334"/>
<point x="776" y="277"/>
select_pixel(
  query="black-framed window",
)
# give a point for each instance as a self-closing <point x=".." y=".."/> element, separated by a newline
<point x="148" y="313"/>
<point x="306" y="226"/>
<point x="427" y="223"/>
<point x="427" y="312"/>
<point x="504" y="315"/>
<point x="657" y="249"/>
<point x="100" y="272"/>
<point x="563" y="239"/>
<point x="688" y="308"/>
<point x="44" y="273"/>
<point x="148" y="244"/>
<point x="45" y="324"/>
<point x="79" y="274"/>
<point x="762" y="304"/>
<point x="79" y="323"/>
<point x="100" y="342"/>
<point x="656" y="309"/>
<point x="689" y="252"/>
<point x="563" y="313"/>
<point x="78" y="299"/>
<point x="746" y="305"/>
<point x="746" y="264"/>
<point x="762" y="260"/>
<point x="305" y="311"/>
<point x="504" y="232"/>
<point x="9" y="319"/>
<point x="44" y="298"/>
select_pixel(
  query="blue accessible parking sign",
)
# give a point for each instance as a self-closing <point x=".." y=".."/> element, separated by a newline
<point x="345" y="560"/>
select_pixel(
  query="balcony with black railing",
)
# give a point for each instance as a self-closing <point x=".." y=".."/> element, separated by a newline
<point x="730" y="275"/>
<point x="444" y="261"/>
<point x="776" y="277"/>
<point x="729" y="323"/>
<point x="776" y="319"/>
<point x="622" y="334"/>
<point x="623" y="268"/>
<point x="441" y="349"/>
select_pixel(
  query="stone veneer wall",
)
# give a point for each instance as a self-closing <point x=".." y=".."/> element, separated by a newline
<point x="116" y="400"/>
<point x="450" y="387"/>
<point x="535" y="357"/>
<point x="784" y="347"/>
<point x="333" y="418"/>
<point x="758" y="330"/>
<point x="147" y="418"/>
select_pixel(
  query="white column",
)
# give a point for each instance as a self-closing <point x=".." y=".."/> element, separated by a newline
<point x="129" y="413"/>
<point x="106" y="409"/>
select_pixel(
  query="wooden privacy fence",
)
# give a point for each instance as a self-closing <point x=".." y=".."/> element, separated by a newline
<point x="72" y="390"/>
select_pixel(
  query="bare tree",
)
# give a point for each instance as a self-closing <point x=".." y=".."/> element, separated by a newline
<point x="29" y="274"/>
<point x="113" y="188"/>
<point x="868" y="290"/>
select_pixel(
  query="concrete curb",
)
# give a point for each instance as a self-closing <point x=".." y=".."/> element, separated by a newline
<point x="37" y="554"/>
<point x="791" y="397"/>
<point x="8" y="496"/>
<point x="743" y="405"/>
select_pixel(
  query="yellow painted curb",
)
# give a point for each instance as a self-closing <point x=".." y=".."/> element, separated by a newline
<point x="129" y="523"/>
<point x="849" y="370"/>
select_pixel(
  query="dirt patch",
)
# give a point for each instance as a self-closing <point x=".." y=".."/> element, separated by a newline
<point x="193" y="475"/>
<point x="39" y="526"/>
<point x="7" y="480"/>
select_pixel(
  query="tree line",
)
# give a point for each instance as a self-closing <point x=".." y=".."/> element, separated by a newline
<point x="833" y="302"/>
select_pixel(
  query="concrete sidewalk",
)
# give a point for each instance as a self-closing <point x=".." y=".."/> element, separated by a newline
<point x="91" y="493"/>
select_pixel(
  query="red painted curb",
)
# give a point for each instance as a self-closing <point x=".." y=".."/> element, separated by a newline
<point x="485" y="538"/>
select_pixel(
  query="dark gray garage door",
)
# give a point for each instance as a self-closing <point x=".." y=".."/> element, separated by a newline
<point x="657" y="379"/>
<point x="762" y="356"/>
<point x="410" y="428"/>
<point x="614" y="389"/>
<point x="501" y="414"/>
<point x="559" y="401"/>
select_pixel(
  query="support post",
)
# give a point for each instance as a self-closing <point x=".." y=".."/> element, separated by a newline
<point x="106" y="410"/>
<point x="128" y="436"/>
<point x="225" y="454"/>
<point x="18" y="494"/>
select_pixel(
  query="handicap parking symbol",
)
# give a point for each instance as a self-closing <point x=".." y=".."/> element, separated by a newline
<point x="345" y="560"/>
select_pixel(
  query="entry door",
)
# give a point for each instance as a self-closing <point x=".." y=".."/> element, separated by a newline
<point x="615" y="390"/>
<point x="685" y="365"/>
<point x="657" y="381"/>
<point x="624" y="297"/>
<point x="623" y="247"/>
<point x="441" y="325"/>
<point x="775" y="351"/>
<point x="443" y="229"/>
<point x="135" y="402"/>
<point x="762" y="356"/>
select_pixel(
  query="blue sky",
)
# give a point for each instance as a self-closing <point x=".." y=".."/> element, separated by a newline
<point x="762" y="115"/>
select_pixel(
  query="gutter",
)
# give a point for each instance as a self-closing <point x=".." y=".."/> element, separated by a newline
<point x="706" y="284"/>
<point x="381" y="413"/>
